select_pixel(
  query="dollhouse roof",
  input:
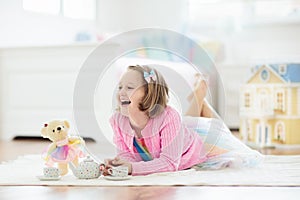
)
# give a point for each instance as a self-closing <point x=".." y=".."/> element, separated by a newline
<point x="292" y="74"/>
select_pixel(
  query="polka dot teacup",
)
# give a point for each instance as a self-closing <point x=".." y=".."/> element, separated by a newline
<point x="51" y="172"/>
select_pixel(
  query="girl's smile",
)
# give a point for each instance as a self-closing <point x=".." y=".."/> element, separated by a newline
<point x="125" y="103"/>
<point x="131" y="92"/>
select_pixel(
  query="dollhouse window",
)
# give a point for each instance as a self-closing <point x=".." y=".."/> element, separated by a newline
<point x="282" y="69"/>
<point x="264" y="75"/>
<point x="279" y="104"/>
<point x="280" y="132"/>
<point x="247" y="100"/>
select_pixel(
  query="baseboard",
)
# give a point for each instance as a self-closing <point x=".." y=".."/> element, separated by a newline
<point x="39" y="138"/>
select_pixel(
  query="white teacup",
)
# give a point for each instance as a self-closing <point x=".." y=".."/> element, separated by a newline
<point x="120" y="171"/>
<point x="51" y="172"/>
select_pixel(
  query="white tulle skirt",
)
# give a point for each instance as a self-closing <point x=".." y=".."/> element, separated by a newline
<point x="221" y="147"/>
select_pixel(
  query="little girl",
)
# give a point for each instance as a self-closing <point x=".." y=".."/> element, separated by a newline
<point x="151" y="136"/>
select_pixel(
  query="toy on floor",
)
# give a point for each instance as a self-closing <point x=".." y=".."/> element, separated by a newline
<point x="64" y="149"/>
<point x="270" y="106"/>
<point x="87" y="169"/>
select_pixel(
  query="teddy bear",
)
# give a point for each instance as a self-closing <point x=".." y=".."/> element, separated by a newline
<point x="64" y="148"/>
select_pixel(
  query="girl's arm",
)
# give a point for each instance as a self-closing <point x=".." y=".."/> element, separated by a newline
<point x="172" y="138"/>
<point x="123" y="151"/>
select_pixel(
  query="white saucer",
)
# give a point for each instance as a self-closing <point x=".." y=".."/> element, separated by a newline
<point x="44" y="178"/>
<point x="117" y="178"/>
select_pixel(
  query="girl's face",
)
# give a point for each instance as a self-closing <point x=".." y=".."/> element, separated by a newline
<point x="131" y="92"/>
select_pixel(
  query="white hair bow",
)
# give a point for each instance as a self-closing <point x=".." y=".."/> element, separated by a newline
<point x="149" y="76"/>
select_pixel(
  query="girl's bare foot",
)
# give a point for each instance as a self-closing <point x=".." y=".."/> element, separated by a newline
<point x="198" y="106"/>
<point x="200" y="88"/>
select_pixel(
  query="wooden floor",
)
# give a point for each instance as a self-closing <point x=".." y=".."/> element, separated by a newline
<point x="11" y="150"/>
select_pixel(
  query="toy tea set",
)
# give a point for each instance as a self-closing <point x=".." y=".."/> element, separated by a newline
<point x="65" y="151"/>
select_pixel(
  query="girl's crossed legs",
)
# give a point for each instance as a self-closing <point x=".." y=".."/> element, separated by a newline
<point x="198" y="106"/>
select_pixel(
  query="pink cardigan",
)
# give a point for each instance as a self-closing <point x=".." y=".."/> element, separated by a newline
<point x="172" y="145"/>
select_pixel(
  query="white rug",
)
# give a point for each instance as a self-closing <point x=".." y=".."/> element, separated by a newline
<point x="275" y="171"/>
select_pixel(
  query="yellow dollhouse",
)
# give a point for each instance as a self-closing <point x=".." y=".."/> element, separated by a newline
<point x="270" y="106"/>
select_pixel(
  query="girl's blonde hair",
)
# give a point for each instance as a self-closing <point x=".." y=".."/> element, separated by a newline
<point x="156" y="91"/>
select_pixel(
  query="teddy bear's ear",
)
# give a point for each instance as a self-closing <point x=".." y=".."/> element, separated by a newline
<point x="44" y="132"/>
<point x="67" y="124"/>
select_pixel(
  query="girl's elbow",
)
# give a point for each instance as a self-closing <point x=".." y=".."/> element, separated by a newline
<point x="174" y="166"/>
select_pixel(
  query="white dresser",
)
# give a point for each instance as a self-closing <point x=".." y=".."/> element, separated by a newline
<point x="36" y="85"/>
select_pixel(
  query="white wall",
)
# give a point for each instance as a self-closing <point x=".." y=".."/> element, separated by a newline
<point x="21" y="28"/>
<point x="273" y="42"/>
<point x="119" y="15"/>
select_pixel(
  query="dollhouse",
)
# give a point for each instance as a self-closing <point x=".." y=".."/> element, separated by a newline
<point x="270" y="106"/>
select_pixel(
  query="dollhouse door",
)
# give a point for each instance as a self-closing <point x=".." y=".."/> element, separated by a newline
<point x="267" y="136"/>
<point x="263" y="137"/>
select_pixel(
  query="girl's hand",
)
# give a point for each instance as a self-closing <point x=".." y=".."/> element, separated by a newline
<point x="108" y="162"/>
<point x="105" y="170"/>
<point x="120" y="162"/>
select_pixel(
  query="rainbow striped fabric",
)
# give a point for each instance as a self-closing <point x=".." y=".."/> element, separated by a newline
<point x="142" y="150"/>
